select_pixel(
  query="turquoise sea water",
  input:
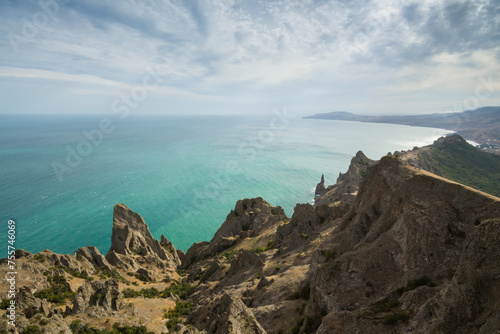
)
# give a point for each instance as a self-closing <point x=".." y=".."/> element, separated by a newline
<point x="182" y="174"/>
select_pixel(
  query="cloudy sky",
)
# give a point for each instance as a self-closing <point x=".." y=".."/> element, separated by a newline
<point x="243" y="56"/>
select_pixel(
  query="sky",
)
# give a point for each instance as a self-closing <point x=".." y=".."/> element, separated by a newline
<point x="242" y="56"/>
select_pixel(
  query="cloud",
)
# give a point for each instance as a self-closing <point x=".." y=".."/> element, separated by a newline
<point x="213" y="49"/>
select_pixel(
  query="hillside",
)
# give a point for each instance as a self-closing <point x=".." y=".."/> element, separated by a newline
<point x="455" y="159"/>
<point x="390" y="248"/>
<point x="480" y="125"/>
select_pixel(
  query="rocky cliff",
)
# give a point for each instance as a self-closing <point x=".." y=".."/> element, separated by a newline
<point x="390" y="248"/>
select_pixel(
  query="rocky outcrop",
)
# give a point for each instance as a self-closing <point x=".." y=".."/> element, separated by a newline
<point x="320" y="187"/>
<point x="403" y="225"/>
<point x="95" y="257"/>
<point x="470" y="302"/>
<point x="104" y="294"/>
<point x="248" y="219"/>
<point x="230" y="316"/>
<point x="250" y="216"/>
<point x="131" y="236"/>
<point x="346" y="188"/>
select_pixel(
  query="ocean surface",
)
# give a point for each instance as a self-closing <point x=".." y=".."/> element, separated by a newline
<point x="60" y="176"/>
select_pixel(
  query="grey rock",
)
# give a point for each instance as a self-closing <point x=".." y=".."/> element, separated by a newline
<point x="98" y="293"/>
<point x="231" y="316"/>
<point x="95" y="257"/>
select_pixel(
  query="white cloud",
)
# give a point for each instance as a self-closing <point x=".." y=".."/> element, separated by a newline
<point x="205" y="50"/>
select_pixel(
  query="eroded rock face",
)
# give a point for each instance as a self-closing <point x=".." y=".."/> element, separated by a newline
<point x="403" y="225"/>
<point x="104" y="294"/>
<point x="249" y="215"/>
<point x="469" y="304"/>
<point x="231" y="316"/>
<point x="248" y="219"/>
<point x="131" y="236"/>
<point x="320" y="187"/>
<point x="95" y="257"/>
<point x="346" y="188"/>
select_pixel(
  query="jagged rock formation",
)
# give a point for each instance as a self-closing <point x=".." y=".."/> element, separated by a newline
<point x="320" y="187"/>
<point x="230" y="316"/>
<point x="95" y="257"/>
<point x="390" y="248"/>
<point x="470" y="301"/>
<point x="249" y="218"/>
<point x="98" y="293"/>
<point x="131" y="236"/>
<point x="403" y="225"/>
<point x="346" y="188"/>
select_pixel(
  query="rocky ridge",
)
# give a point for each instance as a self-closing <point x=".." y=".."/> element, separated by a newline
<point x="390" y="248"/>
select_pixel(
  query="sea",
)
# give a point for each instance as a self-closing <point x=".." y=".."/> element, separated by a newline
<point x="61" y="175"/>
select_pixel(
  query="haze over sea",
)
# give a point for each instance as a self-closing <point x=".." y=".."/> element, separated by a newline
<point x="182" y="174"/>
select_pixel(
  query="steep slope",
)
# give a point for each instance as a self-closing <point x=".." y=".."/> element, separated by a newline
<point x="406" y="226"/>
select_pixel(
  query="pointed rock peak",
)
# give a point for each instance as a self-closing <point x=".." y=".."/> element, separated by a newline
<point x="123" y="215"/>
<point x="131" y="235"/>
<point x="320" y="187"/>
<point x="361" y="155"/>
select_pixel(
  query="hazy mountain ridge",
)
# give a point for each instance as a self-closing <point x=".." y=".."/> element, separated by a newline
<point x="389" y="248"/>
<point x="480" y="125"/>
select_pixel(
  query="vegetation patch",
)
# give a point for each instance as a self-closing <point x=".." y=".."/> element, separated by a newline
<point x="105" y="274"/>
<point x="465" y="164"/>
<point x="258" y="250"/>
<point x="182" y="290"/>
<point x="302" y="293"/>
<point x="182" y="272"/>
<point x="77" y="328"/>
<point x="58" y="292"/>
<point x="39" y="258"/>
<point x="181" y="310"/>
<point x="5" y="303"/>
<point x="33" y="329"/>
<point x="229" y="254"/>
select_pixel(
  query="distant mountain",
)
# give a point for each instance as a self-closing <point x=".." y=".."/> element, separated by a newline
<point x="480" y="125"/>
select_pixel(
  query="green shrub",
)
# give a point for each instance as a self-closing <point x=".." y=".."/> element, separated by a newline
<point x="229" y="254"/>
<point x="39" y="258"/>
<point x="181" y="310"/>
<point x="302" y="293"/>
<point x="33" y="329"/>
<point x="58" y="292"/>
<point x="183" y="290"/>
<point x="5" y="303"/>
<point x="298" y="325"/>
